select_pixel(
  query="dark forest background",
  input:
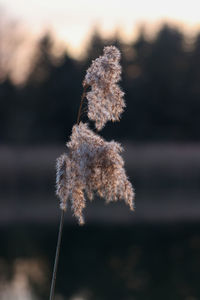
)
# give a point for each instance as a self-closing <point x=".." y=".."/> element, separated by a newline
<point x="161" y="80"/>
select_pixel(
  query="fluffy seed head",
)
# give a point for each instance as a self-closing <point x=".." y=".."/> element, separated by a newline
<point x="105" y="100"/>
<point x="93" y="165"/>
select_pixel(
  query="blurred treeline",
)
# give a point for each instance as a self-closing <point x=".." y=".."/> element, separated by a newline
<point x="161" y="79"/>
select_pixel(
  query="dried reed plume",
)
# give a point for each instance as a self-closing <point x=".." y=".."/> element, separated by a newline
<point x="93" y="165"/>
<point x="105" y="100"/>
<point x="90" y="164"/>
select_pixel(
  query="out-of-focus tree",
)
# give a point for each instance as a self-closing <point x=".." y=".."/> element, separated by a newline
<point x="53" y="88"/>
<point x="160" y="78"/>
<point x="16" y="49"/>
<point x="166" y="68"/>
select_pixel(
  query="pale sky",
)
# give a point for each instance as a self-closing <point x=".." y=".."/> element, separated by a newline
<point x="73" y="20"/>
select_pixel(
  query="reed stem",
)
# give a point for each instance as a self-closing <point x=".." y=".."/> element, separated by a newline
<point x="81" y="104"/>
<point x="53" y="281"/>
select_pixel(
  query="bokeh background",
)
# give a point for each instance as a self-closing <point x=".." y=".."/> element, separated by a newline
<point x="45" y="49"/>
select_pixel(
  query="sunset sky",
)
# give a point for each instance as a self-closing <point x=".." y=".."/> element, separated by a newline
<point x="72" y="21"/>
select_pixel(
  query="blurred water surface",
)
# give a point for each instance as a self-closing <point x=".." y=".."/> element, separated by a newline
<point x="102" y="262"/>
<point x="153" y="253"/>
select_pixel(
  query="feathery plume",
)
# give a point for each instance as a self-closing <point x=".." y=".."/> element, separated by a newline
<point x="62" y="172"/>
<point x="105" y="100"/>
<point x="94" y="166"/>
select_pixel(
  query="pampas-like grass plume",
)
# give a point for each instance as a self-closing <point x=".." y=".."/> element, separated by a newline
<point x="105" y="100"/>
<point x="90" y="164"/>
<point x="93" y="165"/>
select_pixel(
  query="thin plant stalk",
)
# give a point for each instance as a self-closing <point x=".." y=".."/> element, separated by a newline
<point x="81" y="104"/>
<point x="53" y="281"/>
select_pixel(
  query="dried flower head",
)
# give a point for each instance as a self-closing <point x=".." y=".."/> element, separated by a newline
<point x="105" y="100"/>
<point x="92" y="165"/>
